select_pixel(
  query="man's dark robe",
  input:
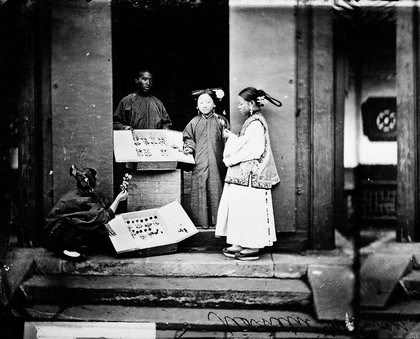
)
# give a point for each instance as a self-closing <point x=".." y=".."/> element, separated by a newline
<point x="75" y="220"/>
<point x="204" y="136"/>
<point x="141" y="111"/>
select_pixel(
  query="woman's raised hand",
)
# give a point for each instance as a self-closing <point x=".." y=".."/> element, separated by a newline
<point x="123" y="195"/>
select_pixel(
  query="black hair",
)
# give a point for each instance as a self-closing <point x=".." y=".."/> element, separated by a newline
<point x="85" y="178"/>
<point x="144" y="70"/>
<point x="252" y="94"/>
<point x="212" y="95"/>
<point x="90" y="173"/>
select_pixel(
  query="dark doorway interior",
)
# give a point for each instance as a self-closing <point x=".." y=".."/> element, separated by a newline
<point x="186" y="44"/>
<point x="365" y="44"/>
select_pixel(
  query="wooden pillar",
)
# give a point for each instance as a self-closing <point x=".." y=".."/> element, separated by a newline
<point x="303" y="119"/>
<point x="34" y="113"/>
<point x="339" y="99"/>
<point x="44" y="102"/>
<point x="323" y="129"/>
<point x="407" y="126"/>
<point x="29" y="207"/>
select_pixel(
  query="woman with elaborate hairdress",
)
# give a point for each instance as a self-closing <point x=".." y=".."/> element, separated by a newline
<point x="245" y="215"/>
<point x="79" y="219"/>
<point x="203" y="138"/>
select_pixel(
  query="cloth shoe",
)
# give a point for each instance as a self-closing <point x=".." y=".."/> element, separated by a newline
<point x="73" y="256"/>
<point x="247" y="255"/>
<point x="231" y="251"/>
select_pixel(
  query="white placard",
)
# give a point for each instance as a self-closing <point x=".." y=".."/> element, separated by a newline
<point x="154" y="227"/>
<point x="124" y="148"/>
<point x="150" y="145"/>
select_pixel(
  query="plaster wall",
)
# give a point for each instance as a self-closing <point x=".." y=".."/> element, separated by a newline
<point x="81" y="68"/>
<point x="262" y="55"/>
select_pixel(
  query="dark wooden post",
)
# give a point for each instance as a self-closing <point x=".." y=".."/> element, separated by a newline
<point x="34" y="112"/>
<point x="29" y="153"/>
<point x="44" y="101"/>
<point x="339" y="98"/>
<point x="323" y="129"/>
<point x="303" y="119"/>
<point x="407" y="126"/>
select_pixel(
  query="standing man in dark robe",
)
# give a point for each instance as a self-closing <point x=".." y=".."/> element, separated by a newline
<point x="141" y="110"/>
<point x="80" y="219"/>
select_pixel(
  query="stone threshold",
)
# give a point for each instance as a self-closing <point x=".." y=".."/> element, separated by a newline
<point x="270" y="265"/>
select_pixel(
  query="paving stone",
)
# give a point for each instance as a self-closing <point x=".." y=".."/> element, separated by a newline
<point x="296" y="266"/>
<point x="393" y="247"/>
<point x="414" y="333"/>
<point x="411" y="284"/>
<point x="379" y="275"/>
<point x="333" y="291"/>
<point x="12" y="275"/>
<point x="21" y="253"/>
<point x="400" y="310"/>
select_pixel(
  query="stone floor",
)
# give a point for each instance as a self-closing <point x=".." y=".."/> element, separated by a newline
<point x="214" y="265"/>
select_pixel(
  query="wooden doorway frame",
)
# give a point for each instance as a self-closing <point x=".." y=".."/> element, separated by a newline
<point x="315" y="123"/>
<point x="407" y="60"/>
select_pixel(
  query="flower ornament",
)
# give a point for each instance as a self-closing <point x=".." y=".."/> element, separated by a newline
<point x="221" y="121"/>
<point x="261" y="100"/>
<point x="126" y="180"/>
<point x="219" y="94"/>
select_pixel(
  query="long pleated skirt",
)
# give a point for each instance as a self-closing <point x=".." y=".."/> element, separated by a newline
<point x="245" y="216"/>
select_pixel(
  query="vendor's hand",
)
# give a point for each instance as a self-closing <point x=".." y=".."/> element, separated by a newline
<point x="188" y="150"/>
<point x="226" y="133"/>
<point x="111" y="232"/>
<point x="129" y="128"/>
<point x="123" y="195"/>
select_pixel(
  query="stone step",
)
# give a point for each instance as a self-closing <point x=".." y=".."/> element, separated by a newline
<point x="411" y="284"/>
<point x="179" y="264"/>
<point x="213" y="264"/>
<point x="401" y="310"/>
<point x="203" y="241"/>
<point x="197" y="322"/>
<point x="167" y="291"/>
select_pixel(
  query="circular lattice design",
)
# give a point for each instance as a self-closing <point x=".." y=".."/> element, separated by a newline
<point x="386" y="121"/>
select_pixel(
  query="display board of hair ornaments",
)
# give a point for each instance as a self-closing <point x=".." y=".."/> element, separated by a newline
<point x="155" y="227"/>
<point x="150" y="145"/>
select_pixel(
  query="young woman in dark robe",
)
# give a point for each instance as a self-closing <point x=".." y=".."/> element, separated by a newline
<point x="203" y="137"/>
<point x="79" y="218"/>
